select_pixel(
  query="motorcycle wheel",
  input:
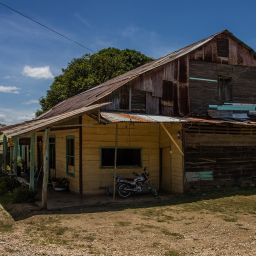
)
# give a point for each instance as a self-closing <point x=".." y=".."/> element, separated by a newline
<point x="154" y="192"/>
<point x="122" y="190"/>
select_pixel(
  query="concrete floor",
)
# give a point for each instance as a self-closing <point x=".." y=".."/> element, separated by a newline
<point x="63" y="200"/>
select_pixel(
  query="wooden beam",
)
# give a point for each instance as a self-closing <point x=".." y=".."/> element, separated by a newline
<point x="172" y="139"/>
<point x="5" y="148"/>
<point x="130" y="98"/>
<point x="45" y="168"/>
<point x="32" y="162"/>
<point x="81" y="156"/>
<point x="115" y="162"/>
<point x="15" y="154"/>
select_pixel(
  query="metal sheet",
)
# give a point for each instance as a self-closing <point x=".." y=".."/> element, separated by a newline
<point x="115" y="117"/>
<point x="36" y="124"/>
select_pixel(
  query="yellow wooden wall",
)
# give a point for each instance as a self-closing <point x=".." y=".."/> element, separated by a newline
<point x="175" y="157"/>
<point x="96" y="136"/>
<point x="60" y="140"/>
<point x="148" y="137"/>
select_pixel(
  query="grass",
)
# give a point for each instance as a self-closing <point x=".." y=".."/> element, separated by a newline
<point x="123" y="223"/>
<point x="6" y="198"/>
<point x="173" y="234"/>
<point x="5" y="227"/>
<point x="172" y="253"/>
<point x="227" y="205"/>
<point x="47" y="231"/>
<point x="161" y="228"/>
<point x="6" y="222"/>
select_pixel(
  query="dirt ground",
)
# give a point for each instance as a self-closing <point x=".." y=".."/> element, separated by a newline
<point x="223" y="226"/>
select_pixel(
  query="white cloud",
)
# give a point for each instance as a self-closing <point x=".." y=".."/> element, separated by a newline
<point x="37" y="72"/>
<point x="12" y="116"/>
<point x="30" y="102"/>
<point x="9" y="89"/>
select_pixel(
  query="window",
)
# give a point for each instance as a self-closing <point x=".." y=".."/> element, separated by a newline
<point x="124" y="98"/>
<point x="52" y="155"/>
<point x="224" y="89"/>
<point x="70" y="155"/>
<point x="223" y="47"/>
<point x="126" y="157"/>
<point x="167" y="91"/>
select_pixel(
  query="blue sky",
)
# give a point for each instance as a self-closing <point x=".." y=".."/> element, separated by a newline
<point x="31" y="56"/>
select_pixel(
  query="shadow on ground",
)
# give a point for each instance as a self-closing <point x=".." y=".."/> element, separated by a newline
<point x="23" y="211"/>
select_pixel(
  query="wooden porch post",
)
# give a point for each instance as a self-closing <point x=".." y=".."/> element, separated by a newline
<point x="5" y="147"/>
<point x="15" y="154"/>
<point x="115" y="162"/>
<point x="45" y="168"/>
<point x="32" y="162"/>
<point x="81" y="156"/>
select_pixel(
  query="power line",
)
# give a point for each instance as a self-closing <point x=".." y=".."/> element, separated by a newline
<point x="46" y="27"/>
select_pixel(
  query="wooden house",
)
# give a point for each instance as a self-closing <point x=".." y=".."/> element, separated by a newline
<point x="155" y="116"/>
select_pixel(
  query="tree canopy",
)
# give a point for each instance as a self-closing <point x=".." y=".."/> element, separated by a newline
<point x="88" y="71"/>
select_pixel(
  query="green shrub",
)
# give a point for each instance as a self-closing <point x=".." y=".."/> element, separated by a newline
<point x="8" y="184"/>
<point x="3" y="187"/>
<point x="23" y="195"/>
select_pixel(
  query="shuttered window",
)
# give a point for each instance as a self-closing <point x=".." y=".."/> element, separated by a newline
<point x="225" y="89"/>
<point x="223" y="47"/>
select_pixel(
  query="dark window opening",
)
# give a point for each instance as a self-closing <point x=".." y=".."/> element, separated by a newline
<point x="138" y="101"/>
<point x="124" y="98"/>
<point x="70" y="155"/>
<point x="183" y="70"/>
<point x="224" y="89"/>
<point x="126" y="157"/>
<point x="52" y="154"/>
<point x="223" y="47"/>
<point x="167" y="91"/>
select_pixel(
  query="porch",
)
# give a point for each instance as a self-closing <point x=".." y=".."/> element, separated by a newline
<point x="68" y="200"/>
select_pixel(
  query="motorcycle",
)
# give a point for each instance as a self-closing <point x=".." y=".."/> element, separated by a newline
<point x="137" y="185"/>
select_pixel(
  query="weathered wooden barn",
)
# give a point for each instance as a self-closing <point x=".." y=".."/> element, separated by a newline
<point x="156" y="116"/>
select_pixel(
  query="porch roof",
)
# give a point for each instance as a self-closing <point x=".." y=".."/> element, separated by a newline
<point x="39" y="124"/>
<point x="117" y="117"/>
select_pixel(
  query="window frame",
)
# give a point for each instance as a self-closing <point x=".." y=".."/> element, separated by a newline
<point x="122" y="166"/>
<point x="225" y="89"/>
<point x="69" y="137"/>
<point x="52" y="143"/>
<point x="223" y="52"/>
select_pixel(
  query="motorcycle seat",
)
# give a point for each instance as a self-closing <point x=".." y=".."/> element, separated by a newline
<point x="128" y="179"/>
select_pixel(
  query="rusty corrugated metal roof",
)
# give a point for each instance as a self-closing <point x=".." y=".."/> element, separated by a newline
<point x="39" y="124"/>
<point x="116" y="117"/>
<point x="219" y="121"/>
<point x="91" y="96"/>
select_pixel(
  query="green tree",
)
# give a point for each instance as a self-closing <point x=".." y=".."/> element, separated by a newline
<point x="88" y="71"/>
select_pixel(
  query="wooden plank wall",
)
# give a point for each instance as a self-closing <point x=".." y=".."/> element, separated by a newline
<point x="147" y="91"/>
<point x="175" y="158"/>
<point x="96" y="136"/>
<point x="203" y="93"/>
<point x="238" y="54"/>
<point x="60" y="140"/>
<point x="226" y="151"/>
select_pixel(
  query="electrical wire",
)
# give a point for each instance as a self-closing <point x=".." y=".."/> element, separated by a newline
<point x="45" y="26"/>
